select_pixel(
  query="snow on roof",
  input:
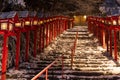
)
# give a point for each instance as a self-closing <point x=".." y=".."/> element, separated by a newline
<point x="23" y="13"/>
<point x="11" y="14"/>
<point x="4" y="15"/>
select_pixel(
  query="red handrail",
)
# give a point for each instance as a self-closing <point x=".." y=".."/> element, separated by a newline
<point x="73" y="49"/>
<point x="46" y="69"/>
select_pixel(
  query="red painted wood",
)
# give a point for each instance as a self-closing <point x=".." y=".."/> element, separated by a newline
<point x="111" y="42"/>
<point x="43" y="38"/>
<point x="47" y="38"/>
<point x="107" y="40"/>
<point x="17" y="51"/>
<point x="104" y="44"/>
<point x="115" y="45"/>
<point x="4" y="57"/>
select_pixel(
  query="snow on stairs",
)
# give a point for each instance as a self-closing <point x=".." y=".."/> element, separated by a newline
<point x="29" y="69"/>
<point x="90" y="60"/>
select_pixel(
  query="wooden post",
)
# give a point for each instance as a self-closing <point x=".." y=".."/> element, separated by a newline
<point x="17" y="50"/>
<point x="5" y="56"/>
<point x="103" y="41"/>
<point x="110" y="42"/>
<point x="115" y="45"/>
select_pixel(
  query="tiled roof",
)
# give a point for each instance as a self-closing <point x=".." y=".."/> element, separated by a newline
<point x="4" y="15"/>
<point x="11" y="14"/>
<point x="23" y="13"/>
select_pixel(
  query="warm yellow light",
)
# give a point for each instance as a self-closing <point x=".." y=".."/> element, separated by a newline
<point x="27" y="23"/>
<point x="17" y="24"/>
<point x="74" y="16"/>
<point x="50" y="19"/>
<point x="119" y="22"/>
<point x="84" y="16"/>
<point x="3" y="26"/>
<point x="109" y="22"/>
<point x="102" y="21"/>
<point x="23" y="24"/>
<point x="35" y="22"/>
<point x="114" y="22"/>
<point x="41" y="22"/>
<point x="10" y="27"/>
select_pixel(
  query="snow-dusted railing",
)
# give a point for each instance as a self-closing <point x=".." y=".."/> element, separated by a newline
<point x="73" y="49"/>
<point x="45" y="70"/>
<point x="104" y="28"/>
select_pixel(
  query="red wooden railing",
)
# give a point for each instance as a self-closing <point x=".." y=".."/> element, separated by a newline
<point x="45" y="28"/>
<point x="107" y="28"/>
<point x="73" y="50"/>
<point x="45" y="70"/>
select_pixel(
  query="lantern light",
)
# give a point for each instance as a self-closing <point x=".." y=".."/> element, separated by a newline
<point x="109" y="22"/>
<point x="27" y="23"/>
<point x="17" y="24"/>
<point x="114" y="22"/>
<point x="118" y="20"/>
<point x="84" y="16"/>
<point x="23" y="24"/>
<point x="74" y="16"/>
<point x="35" y="22"/>
<point x="48" y="20"/>
<point x="10" y="26"/>
<point x="41" y="22"/>
<point x="103" y="21"/>
<point x="3" y="26"/>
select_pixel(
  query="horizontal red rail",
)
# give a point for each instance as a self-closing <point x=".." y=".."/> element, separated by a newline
<point x="46" y="69"/>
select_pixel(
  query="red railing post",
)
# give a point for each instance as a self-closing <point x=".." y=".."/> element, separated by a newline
<point x="47" y="39"/>
<point x="49" y="32"/>
<point x="115" y="45"/>
<point x="54" y="29"/>
<point x="107" y="39"/>
<point x="35" y="42"/>
<point x="4" y="57"/>
<point x="17" y="50"/>
<point x="103" y="39"/>
<point x="110" y="42"/>
<point x="27" y="45"/>
<point x="45" y="70"/>
<point x="46" y="76"/>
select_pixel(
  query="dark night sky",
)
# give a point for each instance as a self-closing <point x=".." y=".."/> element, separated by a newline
<point x="57" y="6"/>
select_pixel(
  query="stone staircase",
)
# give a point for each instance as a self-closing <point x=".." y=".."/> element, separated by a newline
<point x="91" y="61"/>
